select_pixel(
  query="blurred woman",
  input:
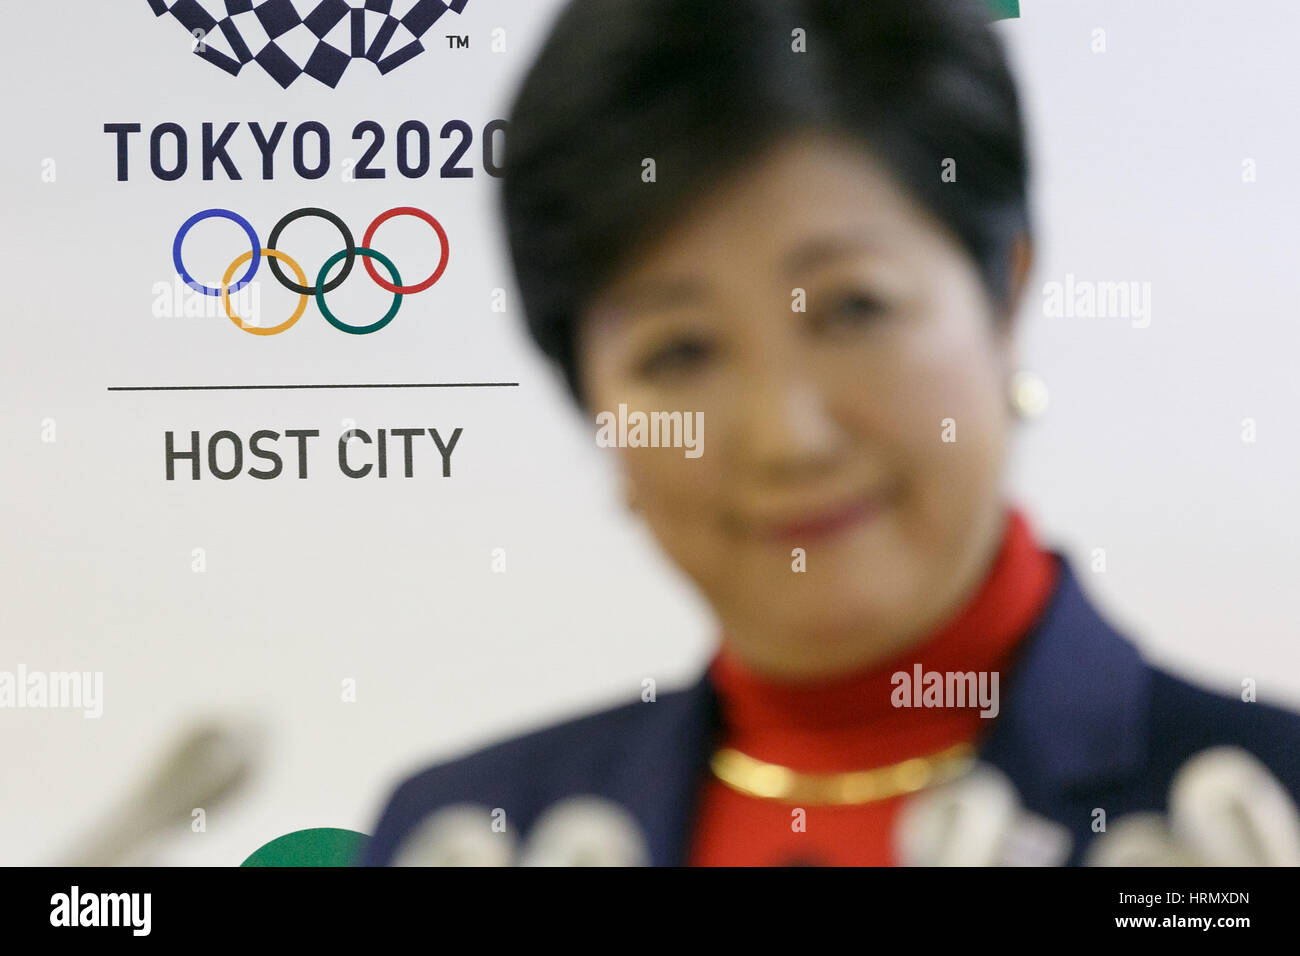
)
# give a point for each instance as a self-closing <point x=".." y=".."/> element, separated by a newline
<point x="803" y="225"/>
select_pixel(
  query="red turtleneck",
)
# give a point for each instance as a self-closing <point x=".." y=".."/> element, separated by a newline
<point x="849" y="723"/>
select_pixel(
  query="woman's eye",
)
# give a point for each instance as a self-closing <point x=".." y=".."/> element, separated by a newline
<point x="852" y="309"/>
<point x="675" y="357"/>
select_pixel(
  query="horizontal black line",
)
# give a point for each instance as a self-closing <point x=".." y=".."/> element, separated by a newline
<point x="209" y="388"/>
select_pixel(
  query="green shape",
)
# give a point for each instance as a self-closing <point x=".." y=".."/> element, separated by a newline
<point x="1004" y="9"/>
<point x="319" y="846"/>
<point x="358" y="329"/>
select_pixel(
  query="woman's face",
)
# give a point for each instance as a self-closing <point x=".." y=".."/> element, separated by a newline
<point x="850" y="375"/>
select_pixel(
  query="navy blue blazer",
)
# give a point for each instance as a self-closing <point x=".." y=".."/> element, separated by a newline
<point x="1084" y="722"/>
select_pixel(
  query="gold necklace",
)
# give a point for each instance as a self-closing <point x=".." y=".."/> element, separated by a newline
<point x="772" y="781"/>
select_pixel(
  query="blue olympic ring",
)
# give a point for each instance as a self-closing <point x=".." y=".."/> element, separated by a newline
<point x="197" y="218"/>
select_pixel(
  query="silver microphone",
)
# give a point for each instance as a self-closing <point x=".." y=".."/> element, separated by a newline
<point x="207" y="763"/>
<point x="463" y="834"/>
<point x="586" y="831"/>
<point x="1137" y="839"/>
<point x="1229" y="810"/>
<point x="964" y="822"/>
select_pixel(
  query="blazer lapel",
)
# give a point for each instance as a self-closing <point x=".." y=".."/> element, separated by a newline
<point x="1076" y="705"/>
<point x="662" y="766"/>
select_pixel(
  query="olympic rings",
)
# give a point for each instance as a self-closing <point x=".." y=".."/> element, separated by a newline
<point x="347" y="241"/>
<point x="354" y="329"/>
<point x="442" y="239"/>
<point x="197" y="218"/>
<point x="348" y="254"/>
<point x="257" y="329"/>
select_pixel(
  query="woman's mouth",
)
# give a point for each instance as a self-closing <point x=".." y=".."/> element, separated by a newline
<point x="823" y="524"/>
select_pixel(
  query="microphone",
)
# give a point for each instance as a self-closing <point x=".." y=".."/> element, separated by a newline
<point x="977" y="820"/>
<point x="205" y="764"/>
<point x="1229" y="810"/>
<point x="586" y="831"/>
<point x="1137" y="839"/>
<point x="964" y="822"/>
<point x="578" y="831"/>
<point x="1225" y="809"/>
<point x="458" y="835"/>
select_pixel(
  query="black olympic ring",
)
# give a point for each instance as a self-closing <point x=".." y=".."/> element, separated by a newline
<point x="351" y="249"/>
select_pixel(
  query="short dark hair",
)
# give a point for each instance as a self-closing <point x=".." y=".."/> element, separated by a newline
<point x="703" y="87"/>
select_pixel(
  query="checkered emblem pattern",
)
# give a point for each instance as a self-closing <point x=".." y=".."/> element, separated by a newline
<point x="319" y="38"/>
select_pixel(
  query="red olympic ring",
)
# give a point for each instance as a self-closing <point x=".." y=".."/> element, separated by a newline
<point x="418" y="214"/>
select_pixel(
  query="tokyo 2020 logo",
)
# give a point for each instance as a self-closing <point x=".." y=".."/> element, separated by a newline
<point x="347" y="255"/>
<point x="320" y="38"/>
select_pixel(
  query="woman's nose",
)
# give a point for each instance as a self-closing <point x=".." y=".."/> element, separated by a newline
<point x="786" y="423"/>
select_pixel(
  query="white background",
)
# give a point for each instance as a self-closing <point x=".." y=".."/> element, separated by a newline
<point x="1138" y="155"/>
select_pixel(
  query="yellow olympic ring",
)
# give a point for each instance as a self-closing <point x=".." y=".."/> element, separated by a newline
<point x="257" y="329"/>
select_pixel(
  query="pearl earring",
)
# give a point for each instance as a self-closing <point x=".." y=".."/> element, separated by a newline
<point x="1027" y="393"/>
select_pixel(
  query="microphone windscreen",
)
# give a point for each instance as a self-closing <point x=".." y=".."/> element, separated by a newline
<point x="1034" y="840"/>
<point x="586" y="831"/>
<point x="1137" y="839"/>
<point x="964" y="822"/>
<point x="463" y="834"/>
<point x="1227" y="807"/>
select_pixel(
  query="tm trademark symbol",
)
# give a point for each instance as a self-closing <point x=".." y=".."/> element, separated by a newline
<point x="457" y="42"/>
